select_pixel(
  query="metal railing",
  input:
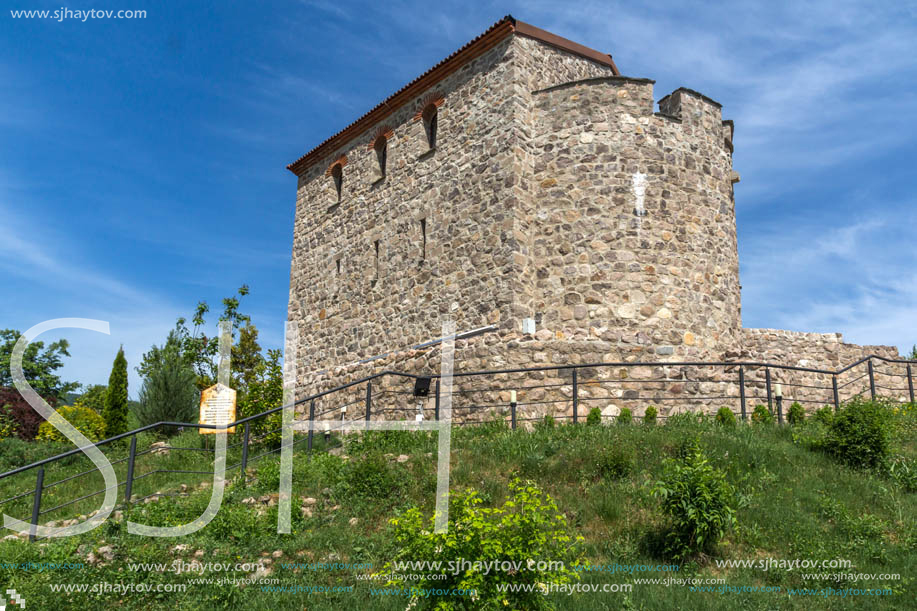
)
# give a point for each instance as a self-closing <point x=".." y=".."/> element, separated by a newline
<point x="565" y="391"/>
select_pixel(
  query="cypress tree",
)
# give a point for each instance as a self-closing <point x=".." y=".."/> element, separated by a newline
<point x="115" y="411"/>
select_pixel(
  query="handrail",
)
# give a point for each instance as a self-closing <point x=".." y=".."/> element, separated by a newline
<point x="455" y="374"/>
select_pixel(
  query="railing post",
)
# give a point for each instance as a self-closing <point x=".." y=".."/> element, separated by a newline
<point x="575" y="398"/>
<point x="910" y="382"/>
<point x="512" y="409"/>
<point x="872" y="380"/>
<point x="311" y="424"/>
<point x="369" y="399"/>
<point x="436" y="404"/>
<point x="742" y="391"/>
<point x="837" y="398"/>
<point x="780" y="410"/>
<point x="767" y="383"/>
<point x="36" y="503"/>
<point x="131" y="457"/>
<point x="245" y="450"/>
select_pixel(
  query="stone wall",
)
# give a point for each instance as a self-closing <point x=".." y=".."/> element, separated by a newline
<point x="824" y="351"/>
<point x="353" y="302"/>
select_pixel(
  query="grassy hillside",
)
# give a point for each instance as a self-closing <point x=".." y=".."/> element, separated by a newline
<point x="792" y="502"/>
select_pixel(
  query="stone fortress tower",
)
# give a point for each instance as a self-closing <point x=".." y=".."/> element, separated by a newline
<point x="524" y="185"/>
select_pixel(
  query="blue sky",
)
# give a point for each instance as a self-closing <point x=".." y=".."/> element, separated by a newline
<point x="143" y="161"/>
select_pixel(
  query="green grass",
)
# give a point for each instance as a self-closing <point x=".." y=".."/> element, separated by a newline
<point x="795" y="503"/>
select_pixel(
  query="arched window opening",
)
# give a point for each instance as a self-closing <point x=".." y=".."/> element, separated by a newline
<point x="381" y="148"/>
<point x="430" y="115"/>
<point x="337" y="173"/>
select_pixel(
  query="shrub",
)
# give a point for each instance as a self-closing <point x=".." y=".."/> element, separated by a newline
<point x="625" y="417"/>
<point x="860" y="434"/>
<point x="762" y="415"/>
<point x="8" y="425"/>
<point x="725" y="417"/>
<point x="528" y="528"/>
<point x="595" y="417"/>
<point x="83" y="419"/>
<point x="649" y="416"/>
<point x="27" y="419"/>
<point x="614" y="463"/>
<point x="699" y="501"/>
<point x="265" y="392"/>
<point x="824" y="415"/>
<point x="548" y="421"/>
<point x="796" y="414"/>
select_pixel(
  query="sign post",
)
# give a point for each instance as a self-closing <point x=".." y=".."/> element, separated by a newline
<point x="218" y="408"/>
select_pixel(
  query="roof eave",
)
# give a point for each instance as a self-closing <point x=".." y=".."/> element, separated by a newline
<point x="475" y="48"/>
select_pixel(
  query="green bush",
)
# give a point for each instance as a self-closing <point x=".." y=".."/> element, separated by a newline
<point x="796" y="414"/>
<point x="725" y="417"/>
<point x="625" y="417"/>
<point x="84" y="419"/>
<point x="649" y="416"/>
<point x="824" y="415"/>
<point x="548" y="421"/>
<point x="614" y="463"/>
<point x="265" y="392"/>
<point x="699" y="501"/>
<point x="860" y="434"/>
<point x="527" y="529"/>
<point x="8" y="425"/>
<point x="595" y="417"/>
<point x="762" y="415"/>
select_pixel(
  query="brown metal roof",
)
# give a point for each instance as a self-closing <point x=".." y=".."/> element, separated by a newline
<point x="469" y="51"/>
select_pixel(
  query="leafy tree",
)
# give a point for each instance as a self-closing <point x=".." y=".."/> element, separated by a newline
<point x="201" y="352"/>
<point x="115" y="410"/>
<point x="247" y="361"/>
<point x="913" y="355"/>
<point x="265" y="392"/>
<point x="39" y="364"/>
<point x="93" y="397"/>
<point x="169" y="391"/>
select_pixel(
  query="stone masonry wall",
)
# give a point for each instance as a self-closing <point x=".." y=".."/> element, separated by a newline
<point x="353" y="303"/>
<point x="634" y="220"/>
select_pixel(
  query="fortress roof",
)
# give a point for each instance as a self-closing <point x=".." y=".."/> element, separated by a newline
<point x="476" y="47"/>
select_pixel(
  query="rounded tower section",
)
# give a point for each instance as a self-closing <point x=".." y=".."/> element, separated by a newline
<point x="633" y="239"/>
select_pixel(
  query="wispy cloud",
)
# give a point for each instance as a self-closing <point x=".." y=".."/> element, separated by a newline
<point x="858" y="278"/>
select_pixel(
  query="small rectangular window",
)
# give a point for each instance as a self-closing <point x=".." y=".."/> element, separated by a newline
<point x="423" y="235"/>
<point x="376" y="279"/>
